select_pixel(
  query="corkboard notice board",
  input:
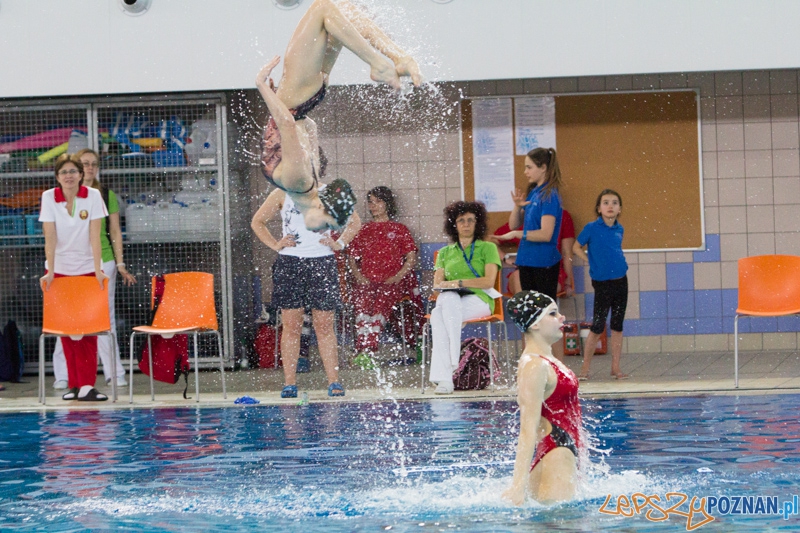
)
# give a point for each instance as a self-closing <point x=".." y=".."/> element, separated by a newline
<point x="644" y="145"/>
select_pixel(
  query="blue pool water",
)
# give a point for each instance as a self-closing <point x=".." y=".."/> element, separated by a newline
<point x="384" y="466"/>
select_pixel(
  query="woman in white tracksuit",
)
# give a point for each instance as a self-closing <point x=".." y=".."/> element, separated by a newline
<point x="112" y="263"/>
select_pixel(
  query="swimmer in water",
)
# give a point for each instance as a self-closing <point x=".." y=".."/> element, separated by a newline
<point x="550" y="414"/>
<point x="290" y="151"/>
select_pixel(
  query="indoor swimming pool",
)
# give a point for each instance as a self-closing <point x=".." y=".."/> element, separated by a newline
<point x="388" y="466"/>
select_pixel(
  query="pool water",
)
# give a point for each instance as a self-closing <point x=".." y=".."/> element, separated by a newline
<point x="384" y="466"/>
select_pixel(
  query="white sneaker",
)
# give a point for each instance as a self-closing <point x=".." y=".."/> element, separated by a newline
<point x="120" y="381"/>
<point x="444" y="387"/>
<point x="60" y="384"/>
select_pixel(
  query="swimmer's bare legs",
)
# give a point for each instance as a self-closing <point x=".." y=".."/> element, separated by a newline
<point x="405" y="65"/>
<point x="303" y="72"/>
<point x="300" y="155"/>
<point x="555" y="477"/>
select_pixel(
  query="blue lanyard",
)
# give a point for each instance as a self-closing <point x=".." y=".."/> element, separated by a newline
<point x="469" y="261"/>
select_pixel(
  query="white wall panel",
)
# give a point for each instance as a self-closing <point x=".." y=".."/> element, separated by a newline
<point x="73" y="47"/>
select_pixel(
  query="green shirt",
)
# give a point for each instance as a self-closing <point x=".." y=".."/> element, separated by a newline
<point x="455" y="267"/>
<point x="113" y="207"/>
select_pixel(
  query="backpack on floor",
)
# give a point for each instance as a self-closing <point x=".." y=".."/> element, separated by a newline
<point x="12" y="360"/>
<point x="473" y="366"/>
<point x="170" y="359"/>
<point x="170" y="356"/>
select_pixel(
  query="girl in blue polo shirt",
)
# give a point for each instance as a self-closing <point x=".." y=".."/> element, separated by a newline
<point x="538" y="211"/>
<point x="607" y="268"/>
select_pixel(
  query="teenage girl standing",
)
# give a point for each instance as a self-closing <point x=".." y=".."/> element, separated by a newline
<point x="538" y="211"/>
<point x="607" y="268"/>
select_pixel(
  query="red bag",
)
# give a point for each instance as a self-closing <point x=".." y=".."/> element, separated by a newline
<point x="170" y="356"/>
<point x="265" y="346"/>
<point x="170" y="359"/>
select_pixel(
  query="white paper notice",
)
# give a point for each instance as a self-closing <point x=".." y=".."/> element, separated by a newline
<point x="535" y="119"/>
<point x="493" y="151"/>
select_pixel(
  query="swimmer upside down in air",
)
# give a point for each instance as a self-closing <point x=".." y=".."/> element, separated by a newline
<point x="290" y="154"/>
<point x="550" y="414"/>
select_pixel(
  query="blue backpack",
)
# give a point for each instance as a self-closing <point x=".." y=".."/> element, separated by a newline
<point x="12" y="360"/>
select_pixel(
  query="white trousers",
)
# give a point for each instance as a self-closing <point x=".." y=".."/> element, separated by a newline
<point x="104" y="342"/>
<point x="446" y="321"/>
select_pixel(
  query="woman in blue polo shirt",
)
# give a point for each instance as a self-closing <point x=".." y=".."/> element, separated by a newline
<point x="607" y="268"/>
<point x="538" y="211"/>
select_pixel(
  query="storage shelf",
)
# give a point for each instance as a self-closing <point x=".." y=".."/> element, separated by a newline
<point x="22" y="241"/>
<point x="158" y="170"/>
<point x="30" y="175"/>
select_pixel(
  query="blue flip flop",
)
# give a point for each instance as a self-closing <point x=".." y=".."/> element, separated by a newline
<point x="335" y="389"/>
<point x="289" y="391"/>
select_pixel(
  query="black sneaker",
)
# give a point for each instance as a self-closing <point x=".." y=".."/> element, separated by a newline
<point x="338" y="200"/>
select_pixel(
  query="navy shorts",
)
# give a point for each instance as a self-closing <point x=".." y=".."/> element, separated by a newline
<point x="305" y="282"/>
<point x="613" y="295"/>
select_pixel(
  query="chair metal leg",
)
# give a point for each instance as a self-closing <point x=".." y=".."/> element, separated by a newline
<point x="42" y="391"/>
<point x="221" y="364"/>
<point x="425" y="352"/>
<point x="196" y="370"/>
<point x="130" y="379"/>
<point x="150" y="362"/>
<point x="504" y="329"/>
<point x="491" y="366"/>
<point x="113" y="366"/>
<point x="736" y="352"/>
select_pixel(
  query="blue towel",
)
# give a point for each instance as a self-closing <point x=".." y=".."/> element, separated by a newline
<point x="246" y="400"/>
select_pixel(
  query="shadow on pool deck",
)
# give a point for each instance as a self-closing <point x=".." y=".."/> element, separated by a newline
<point x="651" y="374"/>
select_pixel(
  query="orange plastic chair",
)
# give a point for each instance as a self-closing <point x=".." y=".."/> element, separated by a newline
<point x="769" y="285"/>
<point x="75" y="307"/>
<point x="495" y="319"/>
<point x="187" y="306"/>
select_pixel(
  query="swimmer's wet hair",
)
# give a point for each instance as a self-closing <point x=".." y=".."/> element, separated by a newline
<point x="526" y="308"/>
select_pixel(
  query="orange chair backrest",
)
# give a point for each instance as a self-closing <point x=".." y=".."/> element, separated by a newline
<point x="769" y="285"/>
<point x="76" y="305"/>
<point x="188" y="302"/>
<point x="499" y="311"/>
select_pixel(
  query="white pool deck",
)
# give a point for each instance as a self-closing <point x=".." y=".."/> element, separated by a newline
<point x="654" y="375"/>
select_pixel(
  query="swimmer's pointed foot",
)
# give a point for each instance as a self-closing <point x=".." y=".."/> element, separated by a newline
<point x="407" y="66"/>
<point x="338" y="200"/>
<point x="385" y="72"/>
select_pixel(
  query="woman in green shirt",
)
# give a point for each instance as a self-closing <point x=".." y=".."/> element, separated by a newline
<point x="111" y="242"/>
<point x="463" y="272"/>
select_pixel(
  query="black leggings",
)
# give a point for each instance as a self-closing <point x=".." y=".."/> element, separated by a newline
<point x="541" y="279"/>
<point x="613" y="295"/>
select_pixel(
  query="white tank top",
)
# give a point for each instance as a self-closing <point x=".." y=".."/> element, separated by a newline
<point x="308" y="244"/>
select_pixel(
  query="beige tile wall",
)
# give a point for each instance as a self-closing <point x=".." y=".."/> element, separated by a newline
<point x="751" y="168"/>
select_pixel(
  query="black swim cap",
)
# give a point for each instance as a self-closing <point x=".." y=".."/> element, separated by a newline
<point x="526" y="307"/>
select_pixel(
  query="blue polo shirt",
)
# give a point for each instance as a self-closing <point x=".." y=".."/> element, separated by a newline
<point x="606" y="260"/>
<point x="540" y="254"/>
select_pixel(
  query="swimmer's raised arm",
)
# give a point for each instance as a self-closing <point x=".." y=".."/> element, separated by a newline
<point x="280" y="113"/>
<point x="531" y="382"/>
